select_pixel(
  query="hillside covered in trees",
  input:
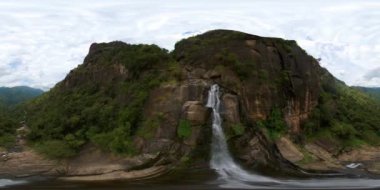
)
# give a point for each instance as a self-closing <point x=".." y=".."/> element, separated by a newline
<point x="132" y="100"/>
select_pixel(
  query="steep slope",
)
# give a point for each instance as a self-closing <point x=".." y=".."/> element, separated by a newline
<point x="101" y="100"/>
<point x="273" y="88"/>
<point x="144" y="107"/>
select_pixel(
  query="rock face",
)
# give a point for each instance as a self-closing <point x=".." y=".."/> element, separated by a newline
<point x="283" y="74"/>
<point x="169" y="123"/>
<point x="195" y="112"/>
<point x="25" y="164"/>
<point x="289" y="150"/>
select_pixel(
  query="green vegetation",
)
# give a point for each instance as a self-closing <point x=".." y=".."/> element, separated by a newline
<point x="234" y="130"/>
<point x="243" y="68"/>
<point x="217" y="48"/>
<point x="8" y="127"/>
<point x="148" y="128"/>
<point x="117" y="141"/>
<point x="55" y="149"/>
<point x="102" y="103"/>
<point x="345" y="116"/>
<point x="373" y="92"/>
<point x="7" y="140"/>
<point x="103" y="100"/>
<point x="274" y="125"/>
<point x="11" y="112"/>
<point x="184" y="129"/>
<point x="287" y="45"/>
<point x="307" y="157"/>
<point x="16" y="95"/>
<point x="238" y="129"/>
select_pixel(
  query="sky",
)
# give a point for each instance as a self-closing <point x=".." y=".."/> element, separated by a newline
<point x="42" y="40"/>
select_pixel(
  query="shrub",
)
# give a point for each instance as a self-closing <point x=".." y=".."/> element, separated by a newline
<point x="55" y="149"/>
<point x="238" y="129"/>
<point x="148" y="128"/>
<point x="276" y="121"/>
<point x="184" y="129"/>
<point x="7" y="141"/>
<point x="116" y="141"/>
<point x="274" y="125"/>
<point x="343" y="130"/>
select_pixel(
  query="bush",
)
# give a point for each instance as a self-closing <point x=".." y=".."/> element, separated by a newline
<point x="243" y="68"/>
<point x="343" y="130"/>
<point x="55" y="149"/>
<point x="238" y="129"/>
<point x="353" y="143"/>
<point x="275" y="125"/>
<point x="184" y="129"/>
<point x="370" y="137"/>
<point x="117" y="141"/>
<point x="275" y="121"/>
<point x="7" y="141"/>
<point x="148" y="128"/>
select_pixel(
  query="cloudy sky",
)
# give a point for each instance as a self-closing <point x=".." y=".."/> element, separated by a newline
<point x="42" y="40"/>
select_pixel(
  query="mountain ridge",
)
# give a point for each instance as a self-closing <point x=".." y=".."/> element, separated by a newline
<point x="14" y="95"/>
<point x="372" y="91"/>
<point x="143" y="106"/>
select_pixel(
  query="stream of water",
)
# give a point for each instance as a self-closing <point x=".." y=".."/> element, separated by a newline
<point x="231" y="175"/>
<point x="8" y="182"/>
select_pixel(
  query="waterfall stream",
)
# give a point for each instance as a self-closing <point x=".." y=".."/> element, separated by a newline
<point x="8" y="182"/>
<point x="231" y="175"/>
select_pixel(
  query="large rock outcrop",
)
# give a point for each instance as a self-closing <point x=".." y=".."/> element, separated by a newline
<point x="153" y="102"/>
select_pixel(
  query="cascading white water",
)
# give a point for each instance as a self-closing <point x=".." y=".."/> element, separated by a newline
<point x="234" y="176"/>
<point x="8" y="182"/>
<point x="221" y="159"/>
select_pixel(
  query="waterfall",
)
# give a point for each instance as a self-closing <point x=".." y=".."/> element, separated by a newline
<point x="221" y="159"/>
<point x="233" y="176"/>
<point x="8" y="182"/>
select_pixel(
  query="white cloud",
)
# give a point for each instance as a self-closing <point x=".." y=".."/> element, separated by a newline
<point x="42" y="40"/>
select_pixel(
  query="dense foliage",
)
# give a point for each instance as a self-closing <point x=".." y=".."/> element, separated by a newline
<point x="106" y="111"/>
<point x="274" y="125"/>
<point x="11" y="112"/>
<point x="344" y="116"/>
<point x="7" y="128"/>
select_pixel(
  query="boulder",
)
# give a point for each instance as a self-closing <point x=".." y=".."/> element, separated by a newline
<point x="195" y="112"/>
<point x="289" y="150"/>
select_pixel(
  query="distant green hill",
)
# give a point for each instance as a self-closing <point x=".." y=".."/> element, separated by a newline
<point x="14" y="95"/>
<point x="373" y="92"/>
<point x="9" y="98"/>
